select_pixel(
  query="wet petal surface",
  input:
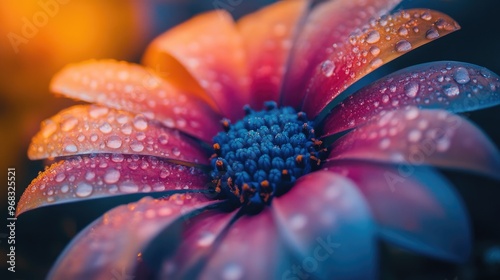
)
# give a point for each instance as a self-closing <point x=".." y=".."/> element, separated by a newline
<point x="328" y="24"/>
<point x="104" y="175"/>
<point x="130" y="87"/>
<point x="268" y="36"/>
<point x="454" y="86"/>
<point x="414" y="207"/>
<point x="211" y="49"/>
<point x="421" y="137"/>
<point x="327" y="223"/>
<point x="365" y="50"/>
<point x="87" y="129"/>
<point x="113" y="243"/>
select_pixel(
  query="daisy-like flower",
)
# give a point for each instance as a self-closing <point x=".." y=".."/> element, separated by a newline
<point x="260" y="166"/>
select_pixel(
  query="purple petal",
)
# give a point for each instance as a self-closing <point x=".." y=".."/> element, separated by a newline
<point x="454" y="86"/>
<point x="251" y="250"/>
<point x="421" y="137"/>
<point x="89" y="177"/>
<point x="384" y="40"/>
<point x="414" y="207"/>
<point x="328" y="23"/>
<point x="113" y="243"/>
<point x="87" y="129"/>
<point x="327" y="222"/>
<point x="130" y="87"/>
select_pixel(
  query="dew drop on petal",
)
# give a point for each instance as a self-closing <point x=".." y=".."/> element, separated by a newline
<point x="451" y="90"/>
<point x="114" y="142"/>
<point x="176" y="152"/>
<point x="461" y="76"/>
<point x="412" y="113"/>
<point x="373" y="37"/>
<point x="402" y="31"/>
<point x="64" y="188"/>
<point x="105" y="128"/>
<point x="129" y="187"/>
<point x="69" y="124"/>
<point x="49" y="128"/>
<point x="140" y="123"/>
<point x="431" y="34"/>
<point x="137" y="147"/>
<point x="83" y="190"/>
<point x="374" y="50"/>
<point x="70" y="148"/>
<point x="411" y="89"/>
<point x="403" y="46"/>
<point x="377" y="62"/>
<point x="327" y="68"/>
<point x="112" y="176"/>
<point x="384" y="143"/>
<point x="163" y="138"/>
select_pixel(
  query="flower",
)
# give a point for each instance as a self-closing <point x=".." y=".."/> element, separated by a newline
<point x="301" y="181"/>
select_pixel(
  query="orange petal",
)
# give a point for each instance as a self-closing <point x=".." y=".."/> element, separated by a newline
<point x="211" y="49"/>
<point x="329" y="23"/>
<point x="384" y="40"/>
<point x="131" y="87"/>
<point x="267" y="38"/>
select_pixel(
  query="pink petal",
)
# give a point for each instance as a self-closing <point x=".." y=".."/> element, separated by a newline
<point x="200" y="236"/>
<point x="267" y="36"/>
<point x="384" y="40"/>
<point x="211" y="49"/>
<point x="112" y="245"/>
<point x="414" y="207"/>
<point x="87" y="129"/>
<point x="455" y="86"/>
<point x="96" y="176"/>
<point x="327" y="221"/>
<point x="130" y="87"/>
<point x="421" y="137"/>
<point x="329" y="23"/>
<point x="251" y="249"/>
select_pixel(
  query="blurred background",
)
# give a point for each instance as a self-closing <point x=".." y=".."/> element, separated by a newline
<point x="39" y="37"/>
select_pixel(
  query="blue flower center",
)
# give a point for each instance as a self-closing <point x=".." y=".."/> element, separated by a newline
<point x="263" y="154"/>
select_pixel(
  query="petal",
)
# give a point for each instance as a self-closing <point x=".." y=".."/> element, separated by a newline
<point x="211" y="49"/>
<point x="414" y="207"/>
<point x="327" y="221"/>
<point x="384" y="40"/>
<point x="328" y="24"/>
<point x="421" y="137"/>
<point x="251" y="250"/>
<point x="113" y="243"/>
<point x="97" y="176"/>
<point x="267" y="36"/>
<point x="455" y="86"/>
<point x="87" y="129"/>
<point x="130" y="87"/>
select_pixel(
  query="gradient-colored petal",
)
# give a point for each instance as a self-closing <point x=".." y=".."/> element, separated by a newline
<point x="454" y="86"/>
<point x="382" y="41"/>
<point x="133" y="88"/>
<point x="327" y="222"/>
<point x="211" y="49"/>
<point x="85" y="129"/>
<point x="113" y="243"/>
<point x="251" y="249"/>
<point x="104" y="175"/>
<point x="414" y="207"/>
<point x="328" y="24"/>
<point x="184" y="258"/>
<point x="267" y="36"/>
<point x="421" y="137"/>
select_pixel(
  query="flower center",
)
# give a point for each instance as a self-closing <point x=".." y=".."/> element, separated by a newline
<point x="263" y="154"/>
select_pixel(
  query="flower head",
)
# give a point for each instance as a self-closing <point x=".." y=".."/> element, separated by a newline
<point x="266" y="169"/>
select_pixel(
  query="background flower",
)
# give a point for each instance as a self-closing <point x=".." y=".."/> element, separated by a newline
<point x="433" y="53"/>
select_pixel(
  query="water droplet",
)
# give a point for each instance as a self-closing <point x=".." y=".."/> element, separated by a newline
<point x="96" y="112"/>
<point x="431" y="34"/>
<point x="451" y="90"/>
<point x="411" y="113"/>
<point x="164" y="173"/>
<point x="83" y="190"/>
<point x="402" y="31"/>
<point x="105" y="128"/>
<point x="232" y="271"/>
<point x="176" y="152"/>
<point x="426" y="16"/>
<point x="112" y="176"/>
<point x="411" y="89"/>
<point x="49" y="127"/>
<point x="64" y="188"/>
<point x="69" y="124"/>
<point x="375" y="63"/>
<point x="461" y="76"/>
<point x="129" y="187"/>
<point x="403" y="46"/>
<point x="385" y="98"/>
<point x="385" y="143"/>
<point x="114" y="142"/>
<point x="163" y="138"/>
<point x="372" y="37"/>
<point x="414" y="135"/>
<point x="89" y="176"/>
<point x="298" y="221"/>
<point x="60" y="177"/>
<point x="117" y="158"/>
<point x="70" y="148"/>
<point x="140" y="123"/>
<point x="206" y="239"/>
<point x="327" y="68"/>
<point x="94" y="137"/>
<point x="137" y="146"/>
